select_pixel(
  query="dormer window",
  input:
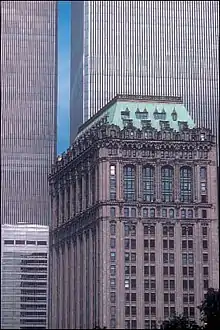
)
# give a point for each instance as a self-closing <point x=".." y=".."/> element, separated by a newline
<point x="174" y="115"/>
<point x="160" y="115"/>
<point x="141" y="114"/>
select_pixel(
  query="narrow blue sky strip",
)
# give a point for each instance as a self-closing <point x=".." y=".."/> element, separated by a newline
<point x="63" y="75"/>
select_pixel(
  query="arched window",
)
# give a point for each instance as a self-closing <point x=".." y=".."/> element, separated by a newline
<point x="129" y="183"/>
<point x="186" y="187"/>
<point x="148" y="183"/>
<point x="167" y="176"/>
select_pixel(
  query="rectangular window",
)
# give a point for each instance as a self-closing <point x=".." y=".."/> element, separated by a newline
<point x="206" y="284"/>
<point x="133" y="243"/>
<point x="146" y="270"/>
<point x="133" y="256"/>
<point x="112" y="283"/>
<point x="146" y="230"/>
<point x="204" y="214"/>
<point x="127" y="284"/>
<point x="152" y="270"/>
<point x="165" y="258"/>
<point x="146" y="257"/>
<point x="112" y="297"/>
<point x="133" y="310"/>
<point x="133" y="270"/>
<point x="146" y="311"/>
<point x="153" y="297"/>
<point x="172" y="271"/>
<point x="112" y="242"/>
<point x="171" y="258"/>
<point x="9" y="242"/>
<point x="165" y="284"/>
<point x="184" y="271"/>
<point x="165" y="270"/>
<point x="153" y="310"/>
<point x="191" y="299"/>
<point x="185" y="298"/>
<point x="152" y="243"/>
<point x="113" y="270"/>
<point x="152" y="230"/>
<point x="146" y="243"/>
<point x="127" y="257"/>
<point x="31" y="242"/>
<point x="112" y="229"/>
<point x="127" y="296"/>
<point x="146" y="297"/>
<point x="133" y="283"/>
<point x="20" y="242"/>
<point x="112" y="256"/>
<point x="127" y="243"/>
<point x="172" y="284"/>
<point x="127" y="310"/>
<point x="191" y="284"/>
<point x="165" y="244"/>
<point x="205" y="244"/>
<point x="191" y="271"/>
<point x="152" y="257"/>
<point x="205" y="257"/>
<point x="166" y="298"/>
<point x="184" y="244"/>
<point x="112" y="212"/>
<point x="146" y="284"/>
<point x="171" y="244"/>
<point x="205" y="271"/>
<point x="204" y="231"/>
<point x="133" y="296"/>
<point x="185" y="285"/>
<point x="190" y="244"/>
<point x="172" y="297"/>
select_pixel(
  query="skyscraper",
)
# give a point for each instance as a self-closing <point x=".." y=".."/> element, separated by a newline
<point x="28" y="108"/>
<point x="134" y="233"/>
<point x="148" y="48"/>
<point x="24" y="276"/>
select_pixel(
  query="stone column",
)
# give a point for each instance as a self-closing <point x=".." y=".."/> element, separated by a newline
<point x="91" y="293"/>
<point x="72" y="292"/>
<point x="53" y="291"/>
<point x="66" y="288"/>
<point x="158" y="182"/>
<point x="177" y="182"/>
<point x="60" y="279"/>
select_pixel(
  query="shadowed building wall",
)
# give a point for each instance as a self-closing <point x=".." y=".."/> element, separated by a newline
<point x="145" y="48"/>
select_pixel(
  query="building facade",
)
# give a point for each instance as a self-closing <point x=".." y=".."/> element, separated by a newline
<point x="145" y="48"/>
<point x="134" y="235"/>
<point x="24" y="276"/>
<point x="28" y="108"/>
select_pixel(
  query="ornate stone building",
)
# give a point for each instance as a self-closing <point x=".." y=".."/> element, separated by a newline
<point x="134" y="233"/>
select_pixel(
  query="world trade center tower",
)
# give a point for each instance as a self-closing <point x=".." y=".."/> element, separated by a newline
<point x="167" y="48"/>
<point x="28" y="109"/>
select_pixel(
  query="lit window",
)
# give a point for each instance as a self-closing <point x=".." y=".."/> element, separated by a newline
<point x="112" y="182"/>
<point x="112" y="256"/>
<point x="148" y="183"/>
<point x="167" y="174"/>
<point x="127" y="284"/>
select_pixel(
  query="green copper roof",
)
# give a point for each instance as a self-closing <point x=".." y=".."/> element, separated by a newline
<point x="157" y="114"/>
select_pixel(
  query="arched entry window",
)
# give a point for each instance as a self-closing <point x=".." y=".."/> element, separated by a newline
<point x="148" y="174"/>
<point x="129" y="182"/>
<point x="186" y="187"/>
<point x="167" y="177"/>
